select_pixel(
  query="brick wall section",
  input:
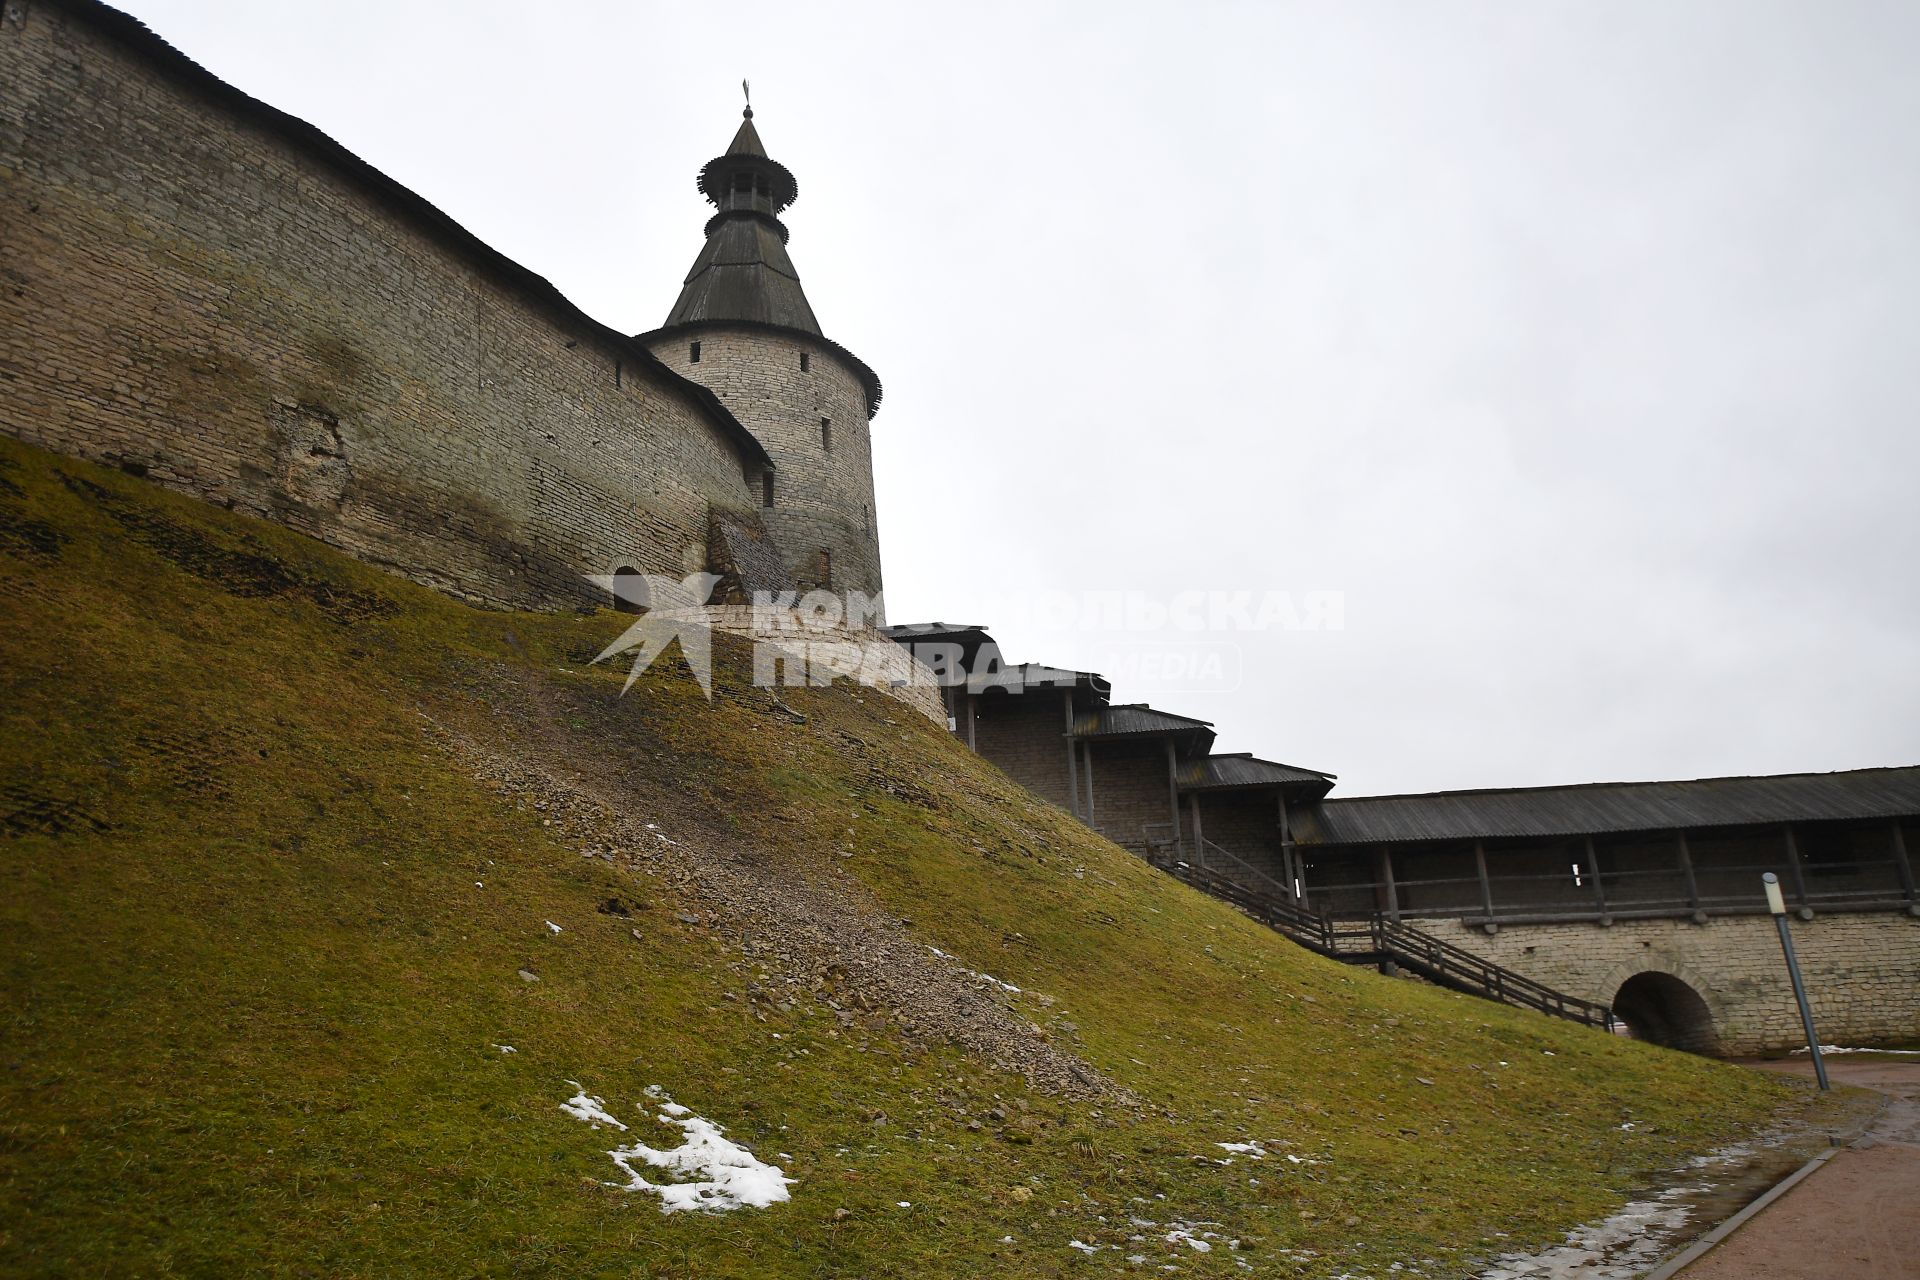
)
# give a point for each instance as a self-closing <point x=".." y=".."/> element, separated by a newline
<point x="187" y="293"/>
<point x="1130" y="791"/>
<point x="823" y="497"/>
<point x="1024" y="734"/>
<point x="1862" y="970"/>
<point x="1247" y="826"/>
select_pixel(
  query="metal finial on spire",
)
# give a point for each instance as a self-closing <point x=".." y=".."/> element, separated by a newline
<point x="746" y="91"/>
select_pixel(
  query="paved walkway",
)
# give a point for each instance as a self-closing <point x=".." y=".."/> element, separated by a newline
<point x="1858" y="1216"/>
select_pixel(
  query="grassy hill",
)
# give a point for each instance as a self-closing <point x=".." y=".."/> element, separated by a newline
<point x="288" y="840"/>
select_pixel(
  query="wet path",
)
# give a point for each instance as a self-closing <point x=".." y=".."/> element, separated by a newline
<point x="1713" y="1188"/>
<point x="1858" y="1215"/>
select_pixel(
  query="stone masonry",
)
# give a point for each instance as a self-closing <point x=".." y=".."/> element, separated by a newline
<point x="203" y="290"/>
<point x="813" y="421"/>
<point x="1859" y="971"/>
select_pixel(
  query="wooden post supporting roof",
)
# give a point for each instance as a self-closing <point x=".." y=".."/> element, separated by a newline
<point x="1290" y="855"/>
<point x="1199" y="835"/>
<point x="1901" y="865"/>
<point x="1386" y="881"/>
<point x="1593" y="873"/>
<point x="1486" y="884"/>
<point x="1073" y="762"/>
<point x="1794" y="869"/>
<point x="973" y="718"/>
<point x="1173" y="789"/>
<point x="1686" y="869"/>
<point x="1086" y="750"/>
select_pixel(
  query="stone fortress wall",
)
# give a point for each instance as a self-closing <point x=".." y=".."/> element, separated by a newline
<point x="1859" y="971"/>
<point x="198" y="288"/>
<point x="813" y="420"/>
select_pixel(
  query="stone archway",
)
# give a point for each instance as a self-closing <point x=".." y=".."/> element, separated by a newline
<point x="629" y="590"/>
<point x="1664" y="1009"/>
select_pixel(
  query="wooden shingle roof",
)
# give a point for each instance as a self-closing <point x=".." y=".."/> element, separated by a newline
<point x="1611" y="807"/>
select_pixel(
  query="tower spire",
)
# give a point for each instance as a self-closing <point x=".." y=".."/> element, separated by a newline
<point x="743" y="272"/>
<point x="742" y="327"/>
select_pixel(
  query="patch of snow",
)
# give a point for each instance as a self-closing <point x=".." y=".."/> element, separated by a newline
<point x="1836" y="1048"/>
<point x="551" y="925"/>
<point x="904" y="1204"/>
<point x="1614" y="1248"/>
<point x="506" y="1048"/>
<point x="725" y="1174"/>
<point x="1252" y="1150"/>
<point x="582" y="1106"/>
<point x="1630" y="1241"/>
<point x="1084" y="1248"/>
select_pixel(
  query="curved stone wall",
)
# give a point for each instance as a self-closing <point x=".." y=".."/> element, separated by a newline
<point x="823" y="498"/>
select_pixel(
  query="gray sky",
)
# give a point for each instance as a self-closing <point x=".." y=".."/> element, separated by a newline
<point x="1574" y="343"/>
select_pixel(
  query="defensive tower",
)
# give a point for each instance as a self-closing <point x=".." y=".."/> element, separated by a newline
<point x="743" y="328"/>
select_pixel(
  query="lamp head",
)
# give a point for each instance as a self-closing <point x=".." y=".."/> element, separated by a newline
<point x="1775" y="902"/>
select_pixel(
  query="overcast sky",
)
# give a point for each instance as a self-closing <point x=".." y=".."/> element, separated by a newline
<point x="1577" y="345"/>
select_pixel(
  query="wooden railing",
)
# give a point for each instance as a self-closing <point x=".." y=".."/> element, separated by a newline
<point x="1314" y="932"/>
<point x="1380" y="940"/>
<point x="1450" y="966"/>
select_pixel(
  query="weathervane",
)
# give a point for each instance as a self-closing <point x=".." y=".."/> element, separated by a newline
<point x="746" y="91"/>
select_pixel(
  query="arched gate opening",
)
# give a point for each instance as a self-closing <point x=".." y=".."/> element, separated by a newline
<point x="629" y="590"/>
<point x="1664" y="1010"/>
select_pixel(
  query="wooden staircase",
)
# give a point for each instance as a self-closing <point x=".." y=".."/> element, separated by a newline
<point x="1377" y="940"/>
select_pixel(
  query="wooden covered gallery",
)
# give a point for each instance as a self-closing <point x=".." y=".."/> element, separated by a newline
<point x="1145" y="778"/>
<point x="1617" y="851"/>
<point x="1150" y="781"/>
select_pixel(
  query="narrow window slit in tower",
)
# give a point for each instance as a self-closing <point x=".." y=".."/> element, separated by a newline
<point x="616" y="373"/>
<point x="826" y="434"/>
<point x="693" y="354"/>
<point x="803" y="361"/>
<point x="766" y="488"/>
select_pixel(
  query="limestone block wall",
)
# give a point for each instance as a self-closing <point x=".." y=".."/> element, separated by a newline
<point x="823" y="489"/>
<point x="1246" y="825"/>
<point x="192" y="292"/>
<point x="1862" y="970"/>
<point x="1024" y="735"/>
<point x="1130" y="790"/>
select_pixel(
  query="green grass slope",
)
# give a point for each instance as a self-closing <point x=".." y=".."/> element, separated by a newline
<point x="264" y="931"/>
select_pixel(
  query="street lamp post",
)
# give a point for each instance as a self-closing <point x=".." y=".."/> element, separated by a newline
<point x="1778" y="906"/>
